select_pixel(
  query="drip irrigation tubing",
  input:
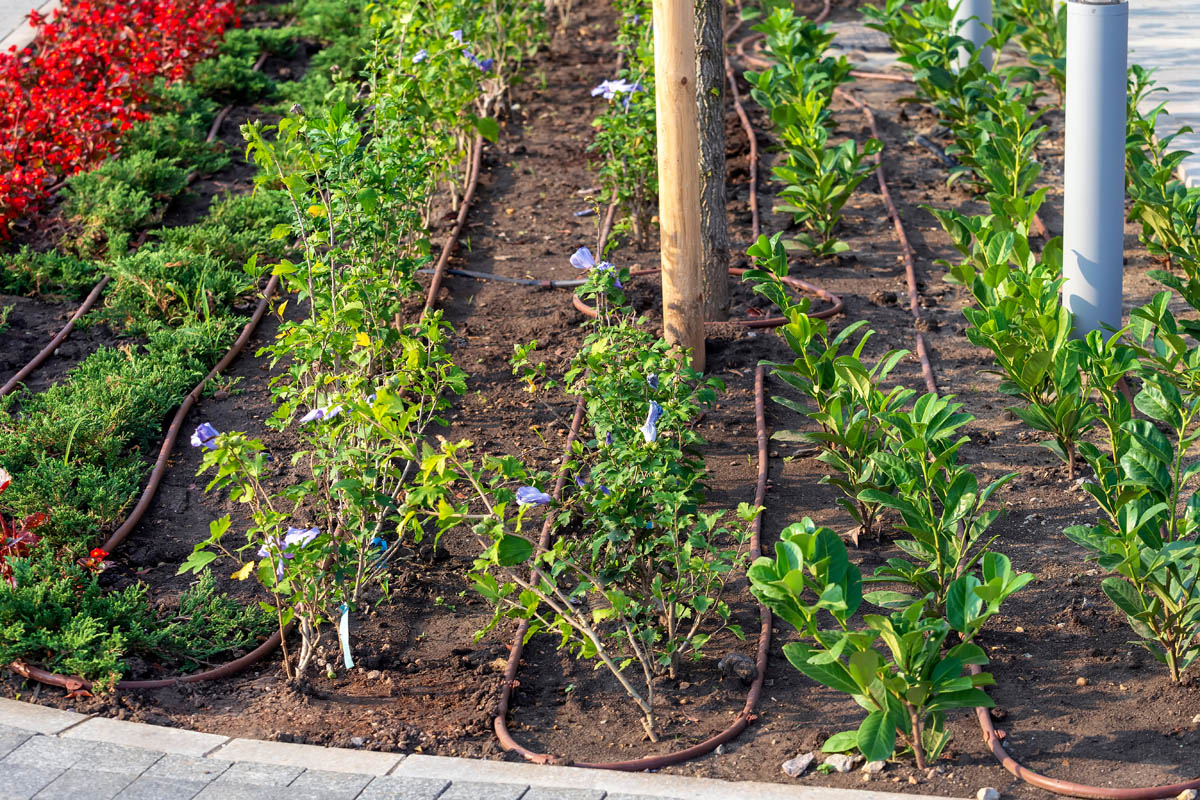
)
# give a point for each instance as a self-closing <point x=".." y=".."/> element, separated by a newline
<point x="835" y="308"/>
<point x="910" y="266"/>
<point x="73" y="683"/>
<point x="744" y="717"/>
<point x="439" y="269"/>
<point x="25" y="371"/>
<point x="98" y="289"/>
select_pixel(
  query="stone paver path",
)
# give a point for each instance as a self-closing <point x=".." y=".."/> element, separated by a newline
<point x="1165" y="35"/>
<point x="14" y="25"/>
<point x="46" y="754"/>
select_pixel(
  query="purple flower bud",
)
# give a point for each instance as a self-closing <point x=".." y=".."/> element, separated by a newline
<point x="421" y="55"/>
<point x="532" y="496"/>
<point x="582" y="259"/>
<point x="580" y="482"/>
<point x="650" y="428"/>
<point x="653" y="382"/>
<point x="324" y="412"/>
<point x="604" y="490"/>
<point x="608" y="438"/>
<point x="205" y="436"/>
<point x="457" y="36"/>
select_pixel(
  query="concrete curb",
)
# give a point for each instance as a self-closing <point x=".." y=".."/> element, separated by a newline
<point x="236" y="761"/>
<point x="21" y="36"/>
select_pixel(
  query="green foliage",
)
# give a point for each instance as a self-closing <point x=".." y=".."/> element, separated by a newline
<point x="626" y="144"/>
<point x="46" y="274"/>
<point x="58" y="615"/>
<point x="119" y="197"/>
<point x="1148" y="538"/>
<point x="817" y="178"/>
<point x="840" y="391"/>
<point x="1019" y="316"/>
<point x="893" y="666"/>
<point x="76" y="448"/>
<point x="1041" y="30"/>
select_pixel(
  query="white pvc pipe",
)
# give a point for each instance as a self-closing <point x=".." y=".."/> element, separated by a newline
<point x="970" y="19"/>
<point x="1094" y="170"/>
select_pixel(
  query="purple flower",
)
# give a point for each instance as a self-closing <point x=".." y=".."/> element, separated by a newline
<point x="652" y="381"/>
<point x="205" y="436"/>
<point x="608" y="438"/>
<point x="650" y="428"/>
<point x="484" y="66"/>
<point x="604" y="490"/>
<point x="457" y="36"/>
<point x="611" y="89"/>
<point x="324" y="412"/>
<point x="300" y="537"/>
<point x="583" y="259"/>
<point x="421" y="55"/>
<point x="274" y="547"/>
<point x="381" y="543"/>
<point x="532" y="496"/>
<point x="580" y="482"/>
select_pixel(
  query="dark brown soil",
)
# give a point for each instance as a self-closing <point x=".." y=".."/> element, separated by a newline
<point x="424" y="685"/>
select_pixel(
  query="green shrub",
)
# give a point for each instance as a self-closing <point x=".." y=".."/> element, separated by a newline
<point x="51" y="273"/>
<point x="57" y="615"/>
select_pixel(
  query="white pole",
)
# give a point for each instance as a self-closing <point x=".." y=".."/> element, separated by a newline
<point x="970" y="19"/>
<point x="1094" y="170"/>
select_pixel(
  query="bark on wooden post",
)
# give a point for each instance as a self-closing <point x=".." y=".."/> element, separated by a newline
<point x="710" y="102"/>
<point x="679" y="176"/>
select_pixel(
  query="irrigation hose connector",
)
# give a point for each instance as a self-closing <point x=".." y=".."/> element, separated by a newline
<point x="972" y="21"/>
<point x="1094" y="170"/>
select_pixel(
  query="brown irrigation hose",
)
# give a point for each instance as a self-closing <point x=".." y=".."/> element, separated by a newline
<point x="61" y="336"/>
<point x="992" y="738"/>
<point x="73" y="683"/>
<point x="836" y="304"/>
<point x="744" y="717"/>
<point x="164" y="452"/>
<point x="910" y="267"/>
<point x="439" y="269"/>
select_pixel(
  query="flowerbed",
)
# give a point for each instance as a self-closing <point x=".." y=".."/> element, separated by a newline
<point x="69" y="96"/>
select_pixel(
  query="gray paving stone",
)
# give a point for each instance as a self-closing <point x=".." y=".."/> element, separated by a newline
<point x="621" y="796"/>
<point x="187" y="768"/>
<point x="85" y="784"/>
<point x="394" y="787"/>
<point x="107" y="757"/>
<point x="21" y="782"/>
<point x="475" y="790"/>
<point x="38" y="719"/>
<point x="249" y="791"/>
<point x="41" y="751"/>
<point x="259" y="774"/>
<point x="148" y="788"/>
<point x="11" y="738"/>
<point x="330" y="785"/>
<point x="544" y="793"/>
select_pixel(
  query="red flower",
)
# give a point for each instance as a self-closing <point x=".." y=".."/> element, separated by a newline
<point x="98" y="554"/>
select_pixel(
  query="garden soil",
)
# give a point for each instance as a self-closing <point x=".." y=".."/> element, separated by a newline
<point x="1076" y="699"/>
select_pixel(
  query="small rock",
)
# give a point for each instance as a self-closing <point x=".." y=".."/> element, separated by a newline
<point x="840" y="762"/>
<point x="720" y="750"/>
<point x="874" y="767"/>
<point x="1196" y="720"/>
<point x="1187" y="794"/>
<point x="1018" y="629"/>
<point x="998" y="713"/>
<point x="913" y="780"/>
<point x="739" y="666"/>
<point x="357" y="741"/>
<point x="795" y="767"/>
<point x="373" y="675"/>
<point x="987" y="793"/>
<point x="1081" y="681"/>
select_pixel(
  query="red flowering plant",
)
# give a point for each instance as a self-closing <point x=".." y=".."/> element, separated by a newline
<point x="66" y="98"/>
<point x="16" y="538"/>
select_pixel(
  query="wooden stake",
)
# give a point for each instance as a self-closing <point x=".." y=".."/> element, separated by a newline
<point x="679" y="176"/>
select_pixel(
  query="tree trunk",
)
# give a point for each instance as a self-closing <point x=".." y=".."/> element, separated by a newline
<point x="710" y="100"/>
